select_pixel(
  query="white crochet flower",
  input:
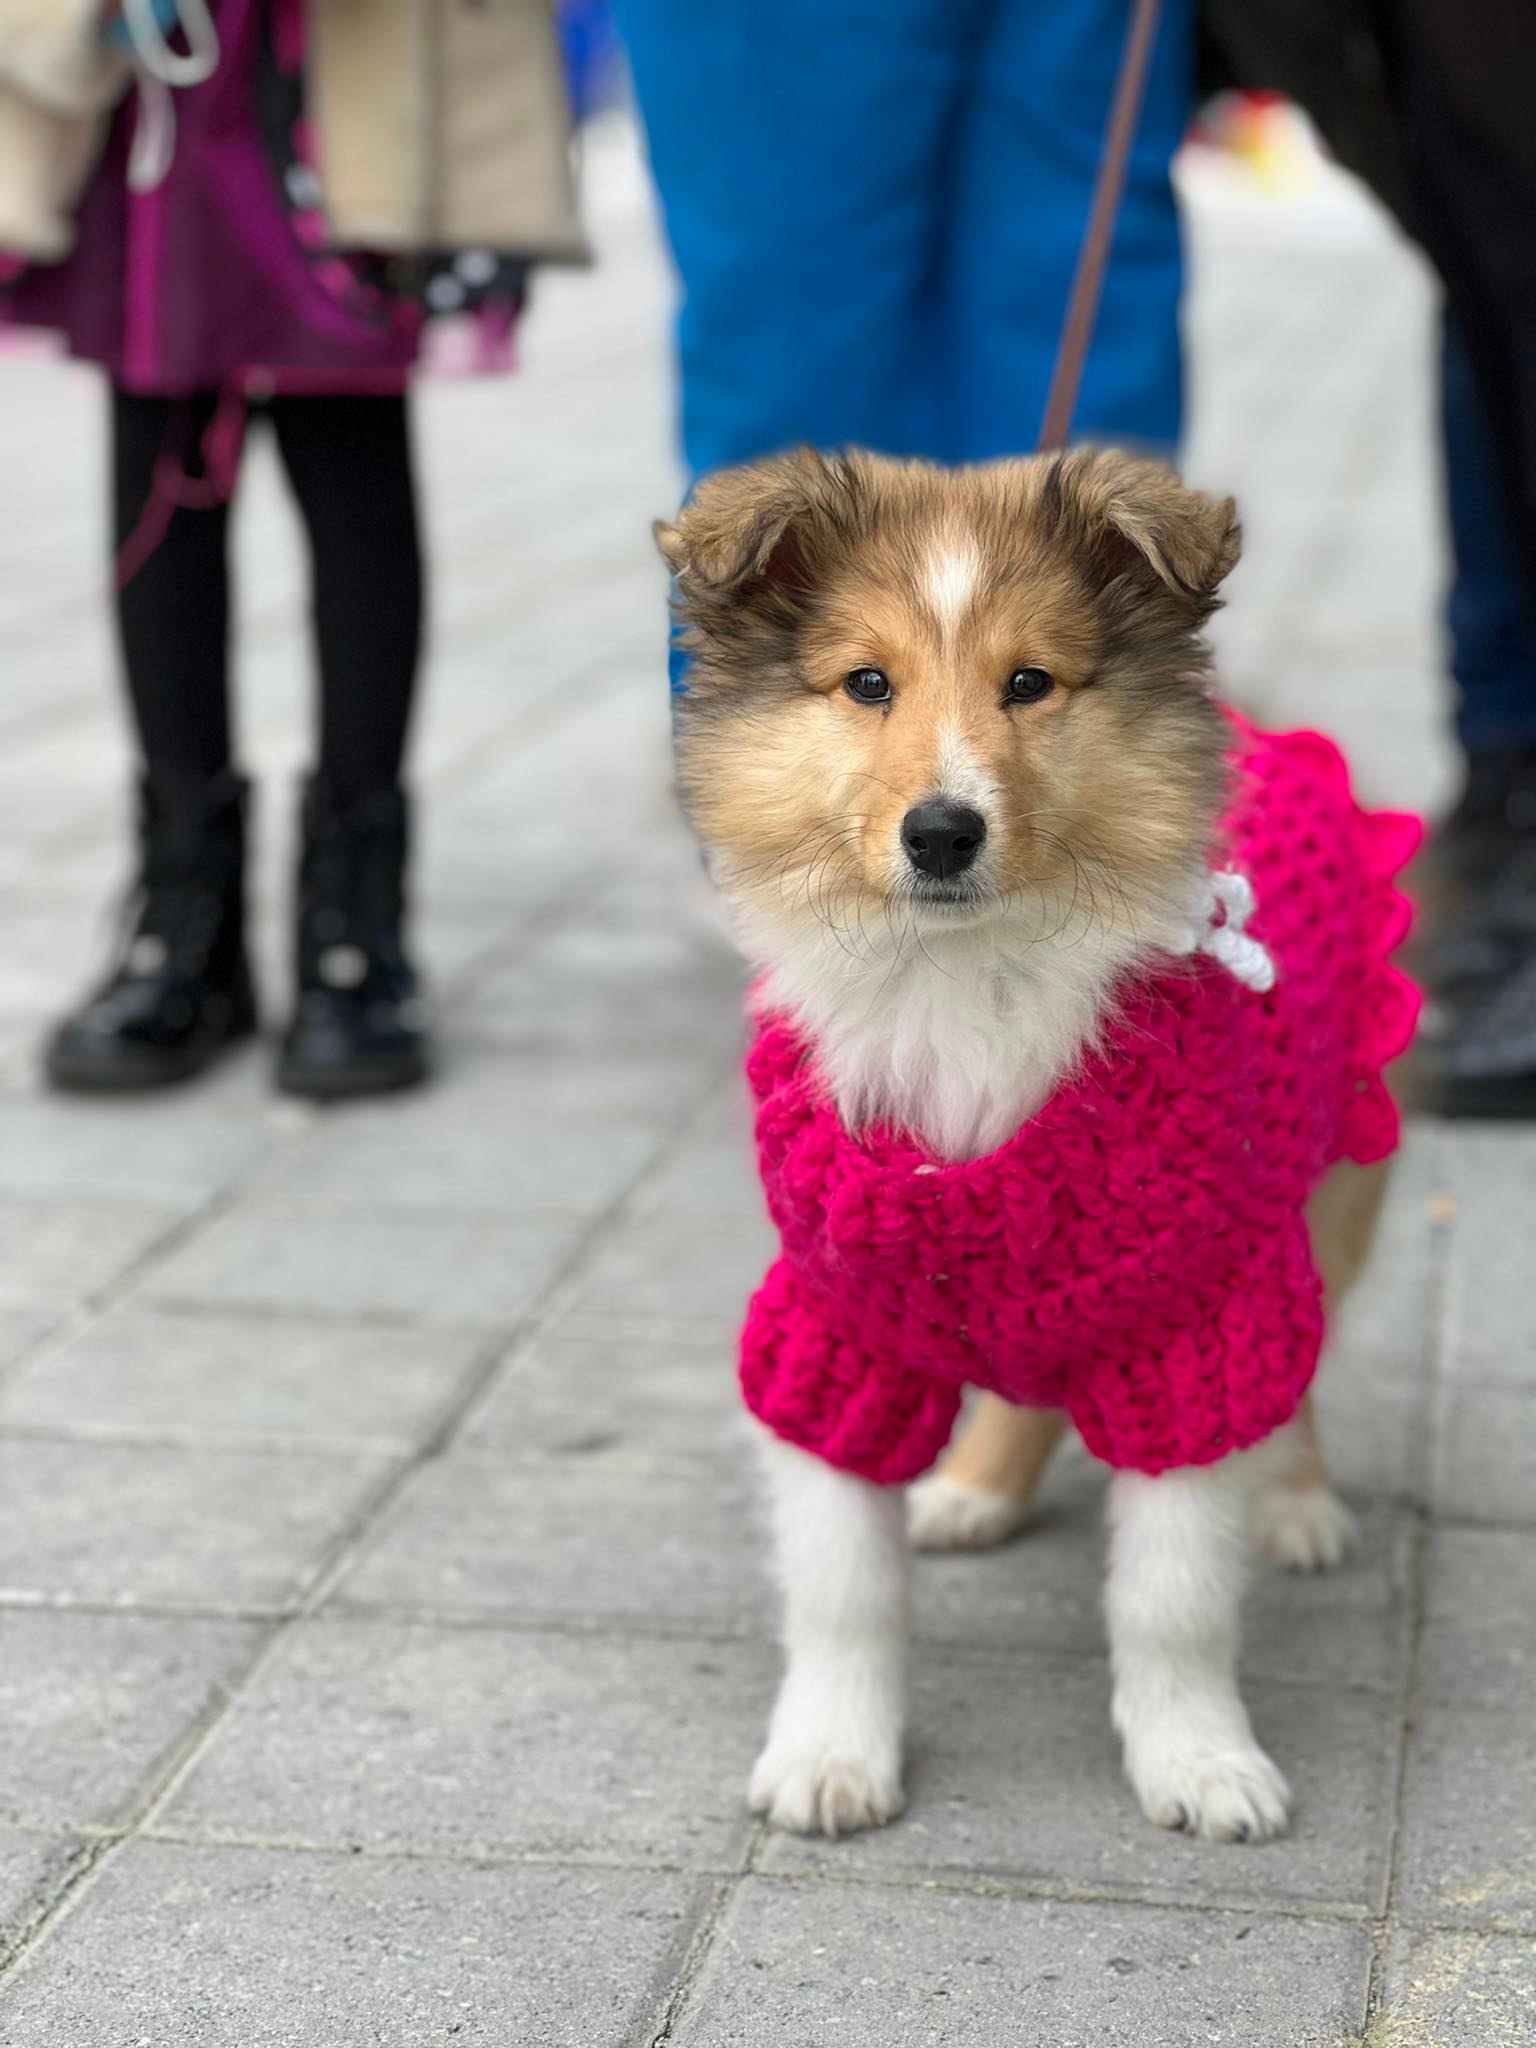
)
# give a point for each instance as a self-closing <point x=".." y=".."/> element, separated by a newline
<point x="1227" y="903"/>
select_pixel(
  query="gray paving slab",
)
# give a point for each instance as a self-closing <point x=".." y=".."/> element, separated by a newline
<point x="656" y="1273"/>
<point x="570" y="1397"/>
<point x="1377" y="1431"/>
<point x="1469" y="1831"/>
<point x="1014" y="1771"/>
<point x="59" y="1253"/>
<point x="458" y="1740"/>
<point x="21" y="1329"/>
<point x="703" y="1182"/>
<point x="226" y="1948"/>
<point x="223" y="1377"/>
<point x="1457" y="1990"/>
<point x="91" y="1704"/>
<point x="1479" y="1640"/>
<point x="583" y="1540"/>
<point x="654" y="985"/>
<point x="53" y="940"/>
<point x="1486" y="1463"/>
<point x="797" y="1965"/>
<point x="142" y="1523"/>
<point x="1387" y="1328"/>
<point x="473" y="1154"/>
<point x="33" y="1868"/>
<point x="136" y="1149"/>
<point x="1491" y="1324"/>
<point x="699" y="1245"/>
<point x="18" y="1031"/>
<point x="1045" y="1592"/>
<point x="464" y="1270"/>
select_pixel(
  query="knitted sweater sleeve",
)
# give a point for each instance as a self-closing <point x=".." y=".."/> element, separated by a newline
<point x="880" y="1422"/>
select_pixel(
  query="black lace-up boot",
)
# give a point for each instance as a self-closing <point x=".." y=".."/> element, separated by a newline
<point x="179" y="992"/>
<point x="1478" y="963"/>
<point x="359" y="1026"/>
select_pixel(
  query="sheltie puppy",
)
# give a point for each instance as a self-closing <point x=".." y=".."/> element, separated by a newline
<point x="951" y="745"/>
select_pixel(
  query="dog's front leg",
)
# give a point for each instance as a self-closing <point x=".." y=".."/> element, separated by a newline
<point x="1177" y="1569"/>
<point x="832" y="1761"/>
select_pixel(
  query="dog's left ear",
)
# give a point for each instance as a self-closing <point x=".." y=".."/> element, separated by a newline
<point x="1138" y="525"/>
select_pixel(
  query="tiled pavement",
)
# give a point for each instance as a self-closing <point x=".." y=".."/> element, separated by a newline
<point x="385" y="1636"/>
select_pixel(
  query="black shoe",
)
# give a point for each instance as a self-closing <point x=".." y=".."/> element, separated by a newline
<point x="1493" y="821"/>
<point x="179" y="994"/>
<point x="359" y="1027"/>
<point x="1478" y="1032"/>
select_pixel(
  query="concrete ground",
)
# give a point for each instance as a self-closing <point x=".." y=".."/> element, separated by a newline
<point x="385" y="1631"/>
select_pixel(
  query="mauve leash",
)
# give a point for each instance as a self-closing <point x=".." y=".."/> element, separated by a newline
<point x="1099" y="233"/>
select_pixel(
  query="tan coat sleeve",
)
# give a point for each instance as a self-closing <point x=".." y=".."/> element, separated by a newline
<point x="53" y="52"/>
<point x="57" y="82"/>
<point x="443" y="124"/>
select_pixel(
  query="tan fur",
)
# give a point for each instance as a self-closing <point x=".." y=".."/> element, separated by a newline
<point x="1004" y="1450"/>
<point x="1095" y="568"/>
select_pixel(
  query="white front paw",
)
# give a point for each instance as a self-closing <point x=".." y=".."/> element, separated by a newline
<point x="1304" y="1528"/>
<point x="942" y="1515"/>
<point x="826" y="1788"/>
<point x="1223" y="1794"/>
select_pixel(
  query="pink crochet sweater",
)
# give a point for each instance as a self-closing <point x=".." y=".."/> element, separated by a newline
<point x="1137" y="1254"/>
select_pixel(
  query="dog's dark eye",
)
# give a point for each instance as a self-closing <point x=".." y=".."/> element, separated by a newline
<point x="1028" y="686"/>
<point x="868" y="685"/>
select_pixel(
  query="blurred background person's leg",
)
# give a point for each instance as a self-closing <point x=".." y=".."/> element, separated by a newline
<point x="1024" y="155"/>
<point x="178" y="989"/>
<point x="875" y="212"/>
<point x="172" y="616"/>
<point x="1489" y="611"/>
<point x="358" y="1024"/>
<point x="802" y="154"/>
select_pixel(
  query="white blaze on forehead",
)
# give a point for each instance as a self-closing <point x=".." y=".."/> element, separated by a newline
<point x="949" y="580"/>
<point x="959" y="772"/>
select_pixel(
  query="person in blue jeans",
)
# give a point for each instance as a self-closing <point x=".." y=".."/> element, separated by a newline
<point x="875" y="208"/>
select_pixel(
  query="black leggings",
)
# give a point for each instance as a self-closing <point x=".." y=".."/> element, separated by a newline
<point x="348" y="460"/>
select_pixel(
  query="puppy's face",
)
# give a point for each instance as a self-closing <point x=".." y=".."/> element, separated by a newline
<point x="949" y="695"/>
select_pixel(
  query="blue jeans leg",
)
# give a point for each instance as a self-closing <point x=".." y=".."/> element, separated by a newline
<point x="1488" y="612"/>
<point x="1027" y="151"/>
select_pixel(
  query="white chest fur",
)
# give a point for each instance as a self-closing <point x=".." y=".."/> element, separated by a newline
<point x="960" y="1033"/>
<point x="959" y="1040"/>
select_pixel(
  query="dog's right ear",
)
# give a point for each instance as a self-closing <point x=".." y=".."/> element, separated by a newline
<point x="1136" y="526"/>
<point x="756" y="525"/>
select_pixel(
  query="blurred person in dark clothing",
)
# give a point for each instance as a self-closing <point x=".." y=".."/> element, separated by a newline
<point x="1435" y="107"/>
<point x="1464" y="83"/>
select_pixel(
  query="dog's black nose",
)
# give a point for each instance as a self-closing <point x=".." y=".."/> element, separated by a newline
<point x="942" y="837"/>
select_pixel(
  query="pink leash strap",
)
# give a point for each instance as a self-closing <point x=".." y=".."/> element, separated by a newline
<point x="174" y="491"/>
